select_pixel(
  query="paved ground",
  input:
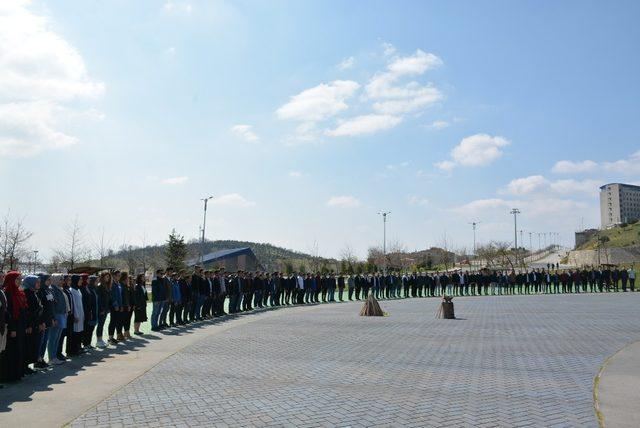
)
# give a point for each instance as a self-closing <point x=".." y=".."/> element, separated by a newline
<point x="512" y="361"/>
<point x="618" y="388"/>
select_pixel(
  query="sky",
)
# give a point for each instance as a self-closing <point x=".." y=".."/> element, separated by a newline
<point x="305" y="119"/>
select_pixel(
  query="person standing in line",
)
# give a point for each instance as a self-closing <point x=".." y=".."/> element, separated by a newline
<point x="35" y="324"/>
<point x="115" y="314"/>
<point x="157" y="298"/>
<point x="45" y="294"/>
<point x="60" y="311"/>
<point x="168" y="295"/>
<point x="87" y="308"/>
<point x="91" y="320"/>
<point x="127" y="304"/>
<point x="3" y="322"/>
<point x="78" y="317"/>
<point x="175" y="311"/>
<point x="140" y="304"/>
<point x="631" y="273"/>
<point x="14" y="354"/>
<point x="104" y="306"/>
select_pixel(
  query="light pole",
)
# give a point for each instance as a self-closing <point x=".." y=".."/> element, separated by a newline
<point x="530" y="244"/>
<point x="35" y="260"/>
<point x="539" y="244"/>
<point x="515" y="213"/>
<point x="474" y="224"/>
<point x="384" y="240"/>
<point x="204" y="225"/>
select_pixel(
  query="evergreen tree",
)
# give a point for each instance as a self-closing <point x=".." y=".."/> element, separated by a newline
<point x="175" y="251"/>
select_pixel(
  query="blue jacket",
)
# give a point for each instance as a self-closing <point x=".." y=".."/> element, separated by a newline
<point x="175" y="288"/>
<point x="116" y="295"/>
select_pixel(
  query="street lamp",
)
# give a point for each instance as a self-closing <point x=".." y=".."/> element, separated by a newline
<point x="384" y="240"/>
<point x="474" y="224"/>
<point x="35" y="260"/>
<point x="204" y="225"/>
<point x="515" y="213"/>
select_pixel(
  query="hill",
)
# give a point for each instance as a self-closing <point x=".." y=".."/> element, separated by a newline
<point x="270" y="256"/>
<point x="625" y="235"/>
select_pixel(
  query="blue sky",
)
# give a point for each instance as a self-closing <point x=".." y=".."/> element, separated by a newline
<point x="304" y="119"/>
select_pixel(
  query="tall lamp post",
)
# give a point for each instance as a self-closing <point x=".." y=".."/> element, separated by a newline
<point x="474" y="224"/>
<point x="515" y="213"/>
<point x="204" y="225"/>
<point x="384" y="240"/>
<point x="35" y="260"/>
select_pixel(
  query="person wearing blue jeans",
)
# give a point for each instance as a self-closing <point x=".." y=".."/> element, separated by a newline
<point x="60" y="310"/>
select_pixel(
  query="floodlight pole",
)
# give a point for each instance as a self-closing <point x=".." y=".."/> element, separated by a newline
<point x="204" y="225"/>
<point x="384" y="240"/>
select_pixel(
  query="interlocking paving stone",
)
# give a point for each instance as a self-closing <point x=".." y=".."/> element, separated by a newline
<point x="511" y="361"/>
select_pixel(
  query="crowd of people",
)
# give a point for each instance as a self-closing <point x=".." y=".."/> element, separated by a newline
<point x="47" y="319"/>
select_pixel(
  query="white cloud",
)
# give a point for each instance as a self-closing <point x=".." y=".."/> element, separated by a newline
<point x="392" y="98"/>
<point x="295" y="174"/>
<point x="569" y="167"/>
<point x="320" y="102"/>
<point x="530" y="208"/>
<point x="42" y="76"/>
<point x="526" y="185"/>
<point x="439" y="124"/>
<point x="366" y="124"/>
<point x="232" y="200"/>
<point x="445" y="165"/>
<point x="343" y="202"/>
<point x="629" y="166"/>
<point x="178" y="6"/>
<point x="175" y="180"/>
<point x="244" y="132"/>
<point x="538" y="185"/>
<point x="388" y="49"/>
<point x="475" y="150"/>
<point x="590" y="187"/>
<point x="417" y="200"/>
<point x="347" y="63"/>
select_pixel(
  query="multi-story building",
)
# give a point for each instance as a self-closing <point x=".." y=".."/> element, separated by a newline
<point x="619" y="203"/>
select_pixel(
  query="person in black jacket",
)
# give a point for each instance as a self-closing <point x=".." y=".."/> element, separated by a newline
<point x="140" y="299"/>
<point x="35" y="325"/>
<point x="158" y="299"/>
<point x="47" y="300"/>
<point x="92" y="317"/>
<point x="88" y="310"/>
<point x="103" y="291"/>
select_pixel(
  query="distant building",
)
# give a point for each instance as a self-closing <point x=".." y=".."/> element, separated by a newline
<point x="619" y="203"/>
<point x="232" y="260"/>
<point x="584" y="236"/>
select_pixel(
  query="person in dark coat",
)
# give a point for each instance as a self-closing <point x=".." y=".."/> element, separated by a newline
<point x="35" y="324"/>
<point x="48" y="318"/>
<point x="91" y="313"/>
<point x="140" y="299"/>
<point x="13" y="361"/>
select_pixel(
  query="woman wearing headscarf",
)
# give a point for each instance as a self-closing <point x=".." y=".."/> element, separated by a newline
<point x="35" y="324"/>
<point x="46" y="299"/>
<point x="140" y="302"/>
<point x="78" y="315"/>
<point x="14" y="355"/>
<point x="115" y="316"/>
<point x="3" y="319"/>
<point x="104" y="305"/>
<point x="91" y="314"/>
<point x="60" y="310"/>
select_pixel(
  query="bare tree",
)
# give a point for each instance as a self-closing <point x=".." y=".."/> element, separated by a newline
<point x="348" y="260"/>
<point x="315" y="257"/>
<point x="102" y="246"/>
<point x="13" y="239"/>
<point x="73" y="250"/>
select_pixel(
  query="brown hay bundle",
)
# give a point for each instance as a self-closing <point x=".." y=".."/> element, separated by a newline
<point x="371" y="308"/>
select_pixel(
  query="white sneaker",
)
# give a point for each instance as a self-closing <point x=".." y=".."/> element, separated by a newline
<point x="100" y="344"/>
